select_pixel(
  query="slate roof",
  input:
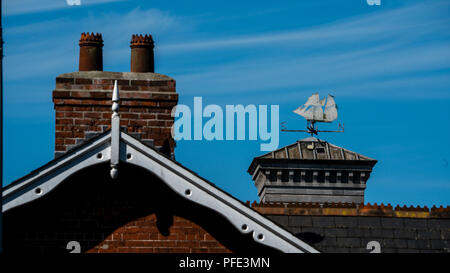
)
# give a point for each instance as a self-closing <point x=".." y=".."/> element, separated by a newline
<point x="312" y="149"/>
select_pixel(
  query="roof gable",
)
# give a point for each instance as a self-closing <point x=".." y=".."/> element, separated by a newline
<point x="180" y="179"/>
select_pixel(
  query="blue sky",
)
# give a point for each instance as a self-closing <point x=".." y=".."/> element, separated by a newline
<point x="388" y="67"/>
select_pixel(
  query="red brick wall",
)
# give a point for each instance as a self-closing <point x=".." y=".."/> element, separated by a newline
<point x="82" y="102"/>
<point x="143" y="236"/>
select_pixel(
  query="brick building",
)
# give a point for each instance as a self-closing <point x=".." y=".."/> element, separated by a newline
<point x="114" y="185"/>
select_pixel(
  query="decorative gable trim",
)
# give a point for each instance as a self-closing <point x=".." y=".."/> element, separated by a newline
<point x="177" y="177"/>
<point x="45" y="179"/>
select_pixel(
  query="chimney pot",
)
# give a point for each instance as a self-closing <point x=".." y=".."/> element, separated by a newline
<point x="142" y="56"/>
<point x="91" y="55"/>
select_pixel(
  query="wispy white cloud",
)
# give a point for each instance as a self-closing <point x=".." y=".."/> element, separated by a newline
<point x="17" y="7"/>
<point x="46" y="49"/>
<point x="361" y="70"/>
<point x="376" y="55"/>
<point x="368" y="27"/>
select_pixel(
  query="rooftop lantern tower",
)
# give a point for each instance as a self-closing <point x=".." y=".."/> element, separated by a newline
<point x="312" y="170"/>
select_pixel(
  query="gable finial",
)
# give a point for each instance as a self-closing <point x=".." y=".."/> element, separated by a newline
<point x="115" y="132"/>
<point x="115" y="96"/>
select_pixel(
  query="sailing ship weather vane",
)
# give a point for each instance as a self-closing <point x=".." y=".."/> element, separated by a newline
<point x="317" y="110"/>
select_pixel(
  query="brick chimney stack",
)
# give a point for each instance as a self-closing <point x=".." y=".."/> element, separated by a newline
<point x="142" y="58"/>
<point x="82" y="101"/>
<point x="91" y="55"/>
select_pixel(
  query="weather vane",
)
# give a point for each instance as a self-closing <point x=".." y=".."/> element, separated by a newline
<point x="317" y="110"/>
